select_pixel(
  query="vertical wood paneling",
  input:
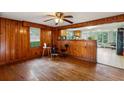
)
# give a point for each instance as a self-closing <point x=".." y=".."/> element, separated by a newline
<point x="0" y="40"/>
<point x="15" y="43"/>
<point x="19" y="41"/>
<point x="7" y="44"/>
<point x="3" y="36"/>
<point x="26" y="42"/>
<point x="83" y="49"/>
<point x="46" y="37"/>
<point x="54" y="34"/>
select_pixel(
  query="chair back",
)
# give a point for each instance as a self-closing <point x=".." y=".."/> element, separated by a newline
<point x="54" y="49"/>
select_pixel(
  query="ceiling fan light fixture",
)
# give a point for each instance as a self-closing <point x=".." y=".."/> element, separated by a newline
<point x="61" y="20"/>
<point x="56" y="20"/>
<point x="59" y="17"/>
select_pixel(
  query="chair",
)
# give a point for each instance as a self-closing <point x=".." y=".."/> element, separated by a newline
<point x="64" y="51"/>
<point x="54" y="51"/>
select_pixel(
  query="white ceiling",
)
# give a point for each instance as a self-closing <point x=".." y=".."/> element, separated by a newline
<point x="39" y="17"/>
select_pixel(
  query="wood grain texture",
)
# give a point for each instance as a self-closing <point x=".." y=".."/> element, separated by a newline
<point x="15" y="41"/>
<point x="83" y="49"/>
<point x="66" y="68"/>
<point x="30" y="24"/>
<point x="55" y="34"/>
<point x="46" y="37"/>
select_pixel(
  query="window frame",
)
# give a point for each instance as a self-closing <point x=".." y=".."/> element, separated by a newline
<point x="30" y="37"/>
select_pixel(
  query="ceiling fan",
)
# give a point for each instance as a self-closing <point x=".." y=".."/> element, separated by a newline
<point x="59" y="17"/>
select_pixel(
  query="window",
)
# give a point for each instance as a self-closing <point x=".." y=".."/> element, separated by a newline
<point x="34" y="37"/>
<point x="105" y="37"/>
<point x="99" y="37"/>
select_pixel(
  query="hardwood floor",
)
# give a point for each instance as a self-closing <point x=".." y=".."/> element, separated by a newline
<point x="59" y="69"/>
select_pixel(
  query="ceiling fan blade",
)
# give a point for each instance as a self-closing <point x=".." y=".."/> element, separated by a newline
<point x="68" y="16"/>
<point x="68" y="21"/>
<point x="51" y="15"/>
<point x="48" y="20"/>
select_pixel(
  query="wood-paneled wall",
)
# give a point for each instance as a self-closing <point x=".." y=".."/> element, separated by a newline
<point x="55" y="34"/>
<point x="46" y="37"/>
<point x="15" y="41"/>
<point x="12" y="40"/>
<point x="83" y="49"/>
<point x="30" y="24"/>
